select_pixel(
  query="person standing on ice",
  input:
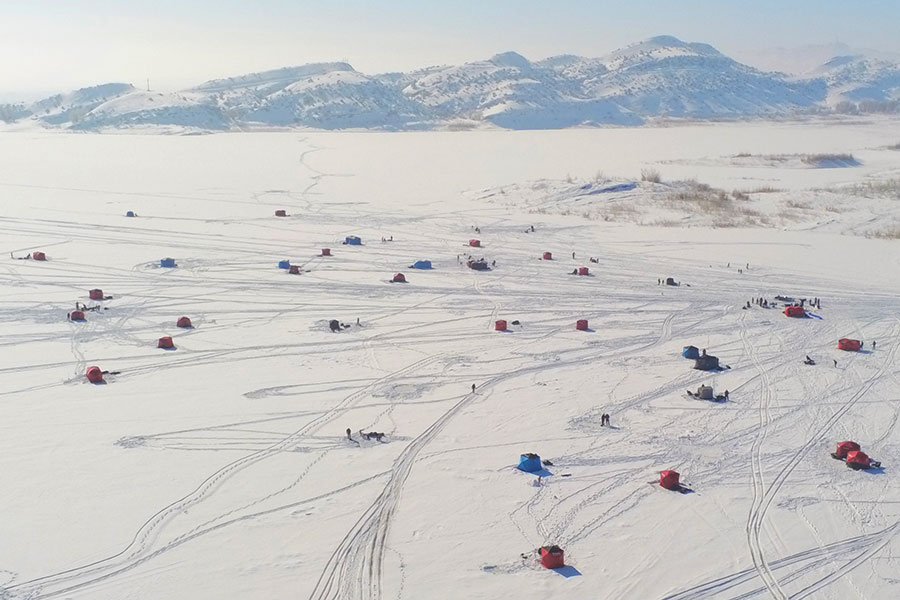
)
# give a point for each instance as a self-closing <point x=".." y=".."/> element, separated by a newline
<point x="873" y="344"/>
<point x="835" y="363"/>
<point x="348" y="434"/>
<point x="573" y="256"/>
<point x="473" y="388"/>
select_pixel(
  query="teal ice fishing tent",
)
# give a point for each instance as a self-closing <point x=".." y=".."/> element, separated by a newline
<point x="422" y="264"/>
<point x="352" y="240"/>
<point x="284" y="264"/>
<point x="691" y="352"/>
<point x="530" y="463"/>
<point x="168" y="263"/>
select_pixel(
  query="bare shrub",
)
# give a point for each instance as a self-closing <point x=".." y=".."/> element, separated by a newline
<point x="651" y="175"/>
<point x="765" y="189"/>
<point x="798" y="204"/>
<point x="891" y="233"/>
<point x="740" y="196"/>
<point x="894" y="147"/>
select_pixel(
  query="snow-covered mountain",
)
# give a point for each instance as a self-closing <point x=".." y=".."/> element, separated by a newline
<point x="860" y="79"/>
<point x="662" y="77"/>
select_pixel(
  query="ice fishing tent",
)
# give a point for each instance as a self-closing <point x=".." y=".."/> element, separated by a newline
<point x="399" y="278"/>
<point x="76" y="315"/>
<point x="130" y="213"/>
<point x="95" y="294"/>
<point x="705" y="392"/>
<point x="280" y="213"/>
<point x="165" y="343"/>
<point x="326" y="251"/>
<point x="584" y="271"/>
<point x="670" y="281"/>
<point x="94" y="374"/>
<point x="845" y="448"/>
<point x="422" y="264"/>
<point x="690" y="352"/>
<point x="478" y="265"/>
<point x="548" y="256"/>
<point x="849" y="345"/>
<point x="552" y="557"/>
<point x="168" y="263"/>
<point x="500" y="325"/>
<point x="184" y="323"/>
<point x="39" y="256"/>
<point x="284" y="264"/>
<point x="334" y="325"/>
<point x="669" y="479"/>
<point x="794" y="311"/>
<point x="530" y="463"/>
<point x="706" y="363"/>
<point x="475" y="243"/>
<point x="857" y="459"/>
<point x="352" y="240"/>
<point x="294" y="270"/>
<point x="581" y="325"/>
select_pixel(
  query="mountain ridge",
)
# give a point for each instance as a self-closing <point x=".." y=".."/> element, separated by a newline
<point x="661" y="77"/>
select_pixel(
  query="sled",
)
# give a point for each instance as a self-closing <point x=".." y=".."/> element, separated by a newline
<point x="873" y="464"/>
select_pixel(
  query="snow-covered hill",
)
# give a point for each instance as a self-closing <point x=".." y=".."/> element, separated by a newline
<point x="662" y="77"/>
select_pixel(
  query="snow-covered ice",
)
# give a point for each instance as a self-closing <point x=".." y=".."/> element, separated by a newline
<point x="221" y="469"/>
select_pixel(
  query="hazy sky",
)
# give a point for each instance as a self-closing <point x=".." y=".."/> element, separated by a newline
<point x="51" y="45"/>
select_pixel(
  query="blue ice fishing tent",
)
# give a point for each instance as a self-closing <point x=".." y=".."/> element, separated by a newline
<point x="130" y="213"/>
<point x="168" y="263"/>
<point x="422" y="264"/>
<point x="691" y="352"/>
<point x="284" y="264"/>
<point x="353" y="240"/>
<point x="530" y="463"/>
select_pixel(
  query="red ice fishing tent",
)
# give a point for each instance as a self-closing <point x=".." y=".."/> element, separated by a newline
<point x="294" y="270"/>
<point x="500" y="325"/>
<point x="165" y="342"/>
<point x="581" y="325"/>
<point x="39" y="256"/>
<point x="399" y="278"/>
<point x="76" y="315"/>
<point x="548" y="256"/>
<point x="848" y="344"/>
<point x="326" y="251"/>
<point x="552" y="557"/>
<point x="94" y="374"/>
<point x="584" y="271"/>
<point x="184" y="322"/>
<point x="845" y="448"/>
<point x="857" y="459"/>
<point x="669" y="479"/>
<point x="794" y="311"/>
<point x="280" y="213"/>
<point x="475" y="243"/>
<point x="95" y="294"/>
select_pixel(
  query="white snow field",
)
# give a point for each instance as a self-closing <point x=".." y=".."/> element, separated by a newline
<point x="221" y="469"/>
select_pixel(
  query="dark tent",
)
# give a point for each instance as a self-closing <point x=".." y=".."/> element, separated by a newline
<point x="95" y="294"/>
<point x="39" y="256"/>
<point x="334" y="324"/>
<point x="326" y="252"/>
<point x="130" y="213"/>
<point x="478" y="265"/>
<point x="857" y="459"/>
<point x="669" y="479"/>
<point x="581" y="325"/>
<point x="794" y="311"/>
<point x="352" y="240"/>
<point x="691" y="352"/>
<point x="845" y="448"/>
<point x="168" y="263"/>
<point x="552" y="557"/>
<point x="530" y="463"/>
<point x="670" y="281"/>
<point x="399" y="278"/>
<point x="280" y="213"/>
<point x="705" y="392"/>
<point x="850" y="345"/>
<point x="94" y="374"/>
<point x="707" y="363"/>
<point x="294" y="270"/>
